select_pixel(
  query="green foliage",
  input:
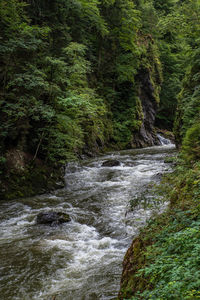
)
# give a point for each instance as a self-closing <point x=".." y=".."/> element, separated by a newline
<point x="70" y="73"/>
<point x="71" y="83"/>
<point x="78" y="67"/>
<point x="167" y="263"/>
<point x="151" y="62"/>
<point x="91" y="10"/>
<point x="188" y="99"/>
<point x="45" y="99"/>
<point x="191" y="144"/>
<point x="149" y="17"/>
<point x="166" y="7"/>
<point x="130" y="23"/>
<point x="70" y="69"/>
<point x="127" y="121"/>
<point x="174" y="269"/>
<point x="172" y="73"/>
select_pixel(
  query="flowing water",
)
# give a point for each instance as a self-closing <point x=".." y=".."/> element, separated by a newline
<point x="81" y="259"/>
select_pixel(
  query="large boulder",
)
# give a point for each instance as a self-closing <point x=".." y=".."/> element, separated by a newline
<point x="52" y="218"/>
<point x="111" y="163"/>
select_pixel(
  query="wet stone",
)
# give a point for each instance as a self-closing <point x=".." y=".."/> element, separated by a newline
<point x="111" y="163"/>
<point x="52" y="218"/>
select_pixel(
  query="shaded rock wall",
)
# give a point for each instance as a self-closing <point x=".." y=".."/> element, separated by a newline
<point x="146" y="136"/>
<point x="23" y="177"/>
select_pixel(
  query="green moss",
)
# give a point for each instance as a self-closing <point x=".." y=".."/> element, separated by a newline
<point x="134" y="260"/>
<point x="151" y="62"/>
<point x="191" y="144"/>
<point x="188" y="99"/>
<point x="34" y="180"/>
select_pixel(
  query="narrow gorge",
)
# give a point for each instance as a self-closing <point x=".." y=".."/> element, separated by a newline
<point x="94" y="96"/>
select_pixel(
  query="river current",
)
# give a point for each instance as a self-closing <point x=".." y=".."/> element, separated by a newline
<point x="82" y="259"/>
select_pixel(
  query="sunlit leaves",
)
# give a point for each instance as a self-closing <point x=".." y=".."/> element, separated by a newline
<point x="91" y="10"/>
<point x="130" y="23"/>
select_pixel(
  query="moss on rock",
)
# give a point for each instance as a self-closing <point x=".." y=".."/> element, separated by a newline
<point x="24" y="178"/>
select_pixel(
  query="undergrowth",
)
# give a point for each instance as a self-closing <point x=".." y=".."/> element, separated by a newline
<point x="169" y="245"/>
<point x="172" y="262"/>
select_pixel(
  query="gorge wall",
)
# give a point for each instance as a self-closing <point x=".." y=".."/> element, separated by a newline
<point x="146" y="135"/>
<point x="70" y="89"/>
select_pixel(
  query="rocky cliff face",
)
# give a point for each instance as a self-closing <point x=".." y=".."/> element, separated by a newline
<point x="23" y="176"/>
<point x="133" y="261"/>
<point x="146" y="136"/>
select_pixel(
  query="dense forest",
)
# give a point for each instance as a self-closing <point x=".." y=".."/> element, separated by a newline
<point x="82" y="77"/>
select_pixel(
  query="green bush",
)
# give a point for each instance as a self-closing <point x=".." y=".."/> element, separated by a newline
<point x="173" y="272"/>
<point x="191" y="144"/>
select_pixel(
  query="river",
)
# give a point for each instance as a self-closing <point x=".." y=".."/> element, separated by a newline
<point x="82" y="259"/>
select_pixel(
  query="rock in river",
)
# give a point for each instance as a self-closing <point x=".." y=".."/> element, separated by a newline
<point x="111" y="163"/>
<point x="52" y="218"/>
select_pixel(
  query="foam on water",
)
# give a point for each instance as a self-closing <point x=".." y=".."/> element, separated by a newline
<point x="81" y="259"/>
<point x="163" y="140"/>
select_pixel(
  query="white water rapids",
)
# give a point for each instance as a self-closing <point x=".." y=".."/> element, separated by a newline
<point x="82" y="259"/>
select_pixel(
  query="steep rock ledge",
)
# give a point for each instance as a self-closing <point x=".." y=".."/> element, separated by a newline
<point x="23" y="176"/>
<point x="149" y="79"/>
<point x="133" y="261"/>
<point x="146" y="136"/>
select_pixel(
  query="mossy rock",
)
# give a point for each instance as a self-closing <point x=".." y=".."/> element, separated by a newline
<point x="33" y="180"/>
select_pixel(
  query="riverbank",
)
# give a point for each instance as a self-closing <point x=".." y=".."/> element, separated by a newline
<point x="163" y="261"/>
<point x="23" y="176"/>
<point x="32" y="181"/>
